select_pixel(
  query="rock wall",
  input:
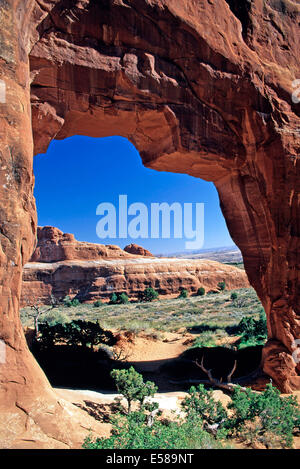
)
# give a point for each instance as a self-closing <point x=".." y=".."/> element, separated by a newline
<point x="93" y="280"/>
<point x="61" y="266"/>
<point x="203" y="88"/>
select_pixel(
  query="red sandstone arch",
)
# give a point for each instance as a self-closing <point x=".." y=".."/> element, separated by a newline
<point x="200" y="87"/>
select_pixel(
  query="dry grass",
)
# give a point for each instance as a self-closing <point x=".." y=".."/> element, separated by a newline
<point x="206" y="316"/>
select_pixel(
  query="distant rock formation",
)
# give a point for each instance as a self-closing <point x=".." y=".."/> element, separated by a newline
<point x="135" y="249"/>
<point x="62" y="266"/>
<point x="53" y="245"/>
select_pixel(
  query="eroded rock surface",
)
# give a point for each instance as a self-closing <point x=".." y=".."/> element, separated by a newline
<point x="62" y="266"/>
<point x="53" y="245"/>
<point x="137" y="250"/>
<point x="203" y="88"/>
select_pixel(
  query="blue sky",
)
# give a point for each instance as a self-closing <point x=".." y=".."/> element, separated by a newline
<point x="79" y="173"/>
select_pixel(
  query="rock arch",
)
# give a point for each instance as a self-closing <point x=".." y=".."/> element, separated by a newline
<point x="198" y="92"/>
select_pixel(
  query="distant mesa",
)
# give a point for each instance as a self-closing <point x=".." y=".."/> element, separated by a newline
<point x="62" y="266"/>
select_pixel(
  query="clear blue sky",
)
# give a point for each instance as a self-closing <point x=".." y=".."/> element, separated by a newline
<point x="78" y="173"/>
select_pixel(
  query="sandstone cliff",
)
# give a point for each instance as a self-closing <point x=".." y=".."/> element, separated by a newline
<point x="53" y="245"/>
<point x="62" y="266"/>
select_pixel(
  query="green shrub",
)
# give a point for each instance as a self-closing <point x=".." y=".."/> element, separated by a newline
<point x="183" y="293"/>
<point x="205" y="339"/>
<point x="253" y="332"/>
<point x="201" y="291"/>
<point x="75" y="333"/>
<point x="149" y="294"/>
<point x="267" y="417"/>
<point x="75" y="302"/>
<point x="123" y="299"/>
<point x="68" y="302"/>
<point x="113" y="299"/>
<point x="97" y="303"/>
<point x="233" y="296"/>
<point x="131" y="385"/>
<point x="222" y="285"/>
<point x="201" y="404"/>
<point x="119" y="299"/>
<point x="134" y="432"/>
<point x="55" y="317"/>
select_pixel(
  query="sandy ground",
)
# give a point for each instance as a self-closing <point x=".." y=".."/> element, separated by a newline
<point x="146" y="354"/>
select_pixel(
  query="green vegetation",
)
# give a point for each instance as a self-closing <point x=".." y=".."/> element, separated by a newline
<point x="123" y="299"/>
<point x="215" y="313"/>
<point x="222" y="285"/>
<point x="119" y="299"/>
<point x="55" y="317"/>
<point x="264" y="417"/>
<point x="133" y="432"/>
<point x="251" y="417"/>
<point x="97" y="303"/>
<point x="149" y="294"/>
<point x="141" y="429"/>
<point x="183" y="293"/>
<point x="201" y="291"/>
<point x="254" y="332"/>
<point x="69" y="303"/>
<point x="113" y="299"/>
<point x="201" y="404"/>
<point x="234" y="296"/>
<point x="75" y="333"/>
<point x="131" y="385"/>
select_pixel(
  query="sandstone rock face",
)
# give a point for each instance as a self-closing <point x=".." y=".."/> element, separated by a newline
<point x="93" y="280"/>
<point x="203" y="88"/>
<point x="138" y="250"/>
<point x="53" y="245"/>
<point x="62" y="266"/>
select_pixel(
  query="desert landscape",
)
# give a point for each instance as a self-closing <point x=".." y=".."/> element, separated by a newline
<point x="205" y="89"/>
<point x="161" y="316"/>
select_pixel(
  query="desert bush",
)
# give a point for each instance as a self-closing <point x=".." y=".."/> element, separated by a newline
<point x="149" y="294"/>
<point x="123" y="299"/>
<point x="75" y="333"/>
<point x="200" y="404"/>
<point x="113" y="299"/>
<point x="183" y="293"/>
<point x="233" y="296"/>
<point x="222" y="285"/>
<point x="119" y="299"/>
<point x="205" y="339"/>
<point x="97" y="303"/>
<point x="131" y="385"/>
<point x="133" y="432"/>
<point x="142" y="430"/>
<point x="266" y="417"/>
<point x="253" y="332"/>
<point x="67" y="301"/>
<point x="201" y="291"/>
<point x="55" y="317"/>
